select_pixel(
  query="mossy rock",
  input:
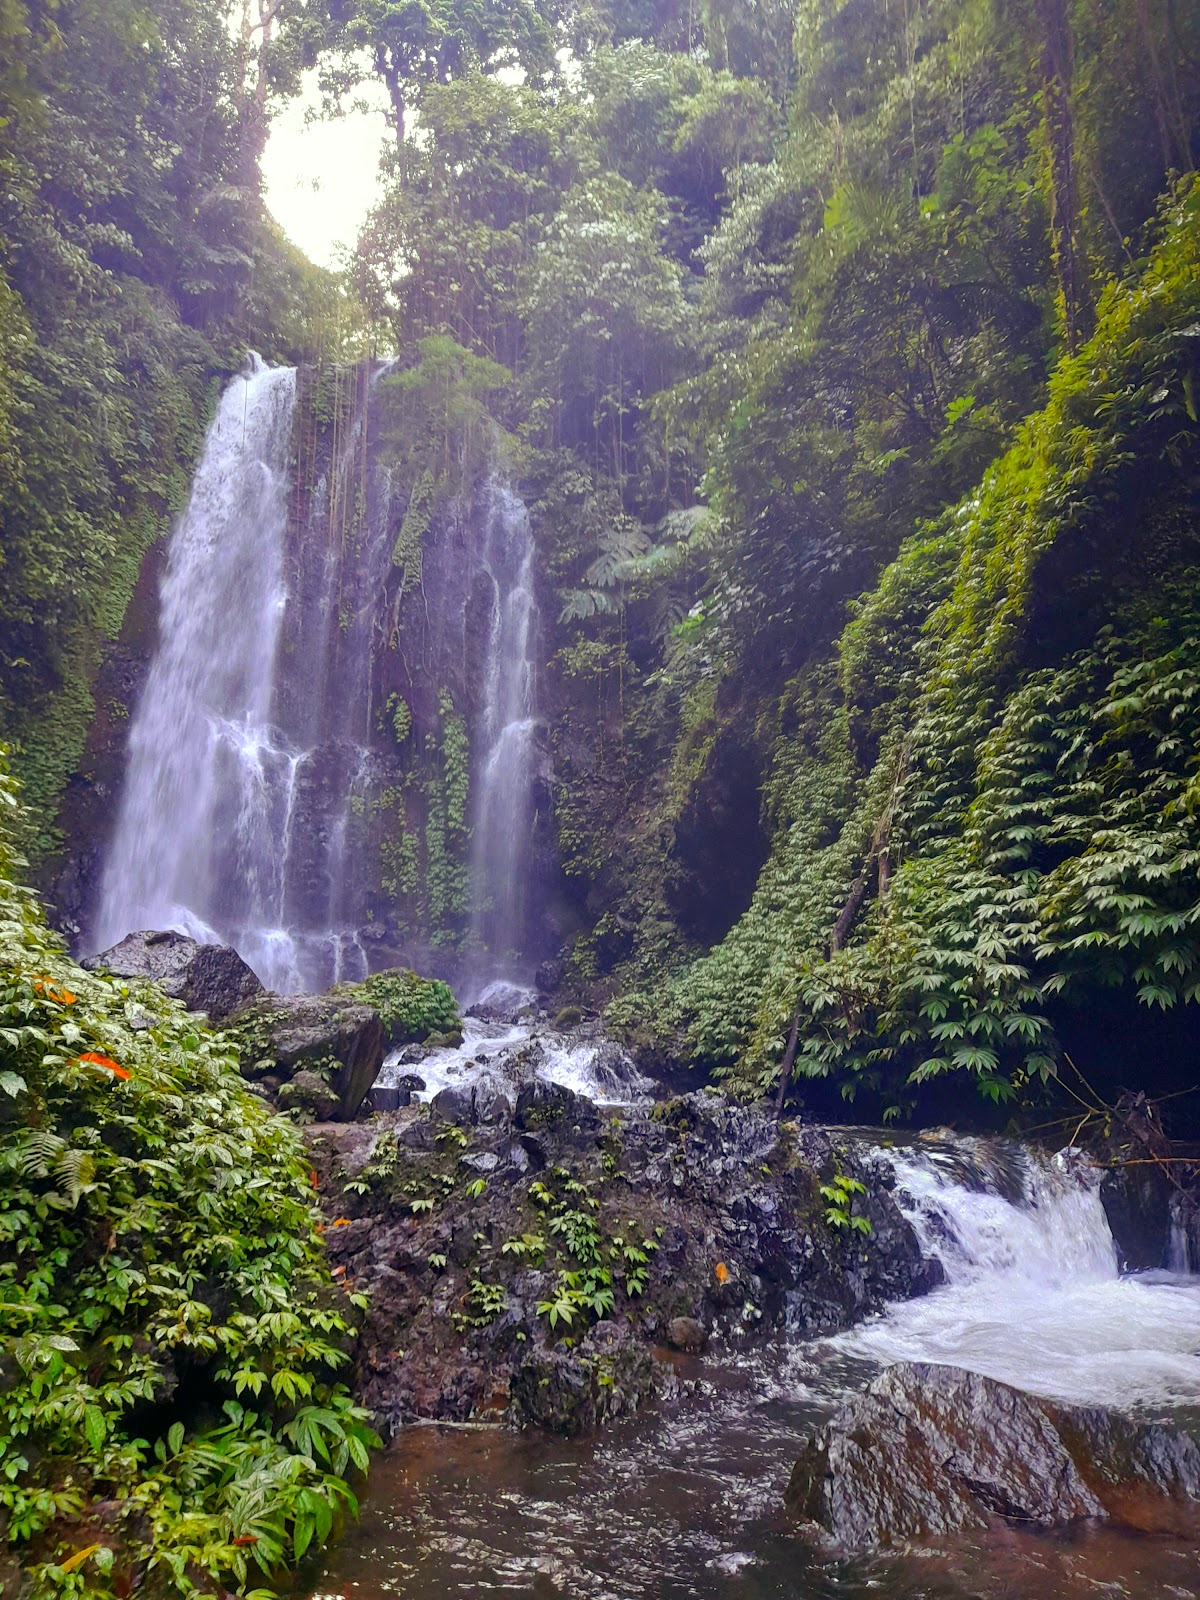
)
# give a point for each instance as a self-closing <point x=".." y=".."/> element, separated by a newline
<point x="411" y="1008"/>
<point x="333" y="1034"/>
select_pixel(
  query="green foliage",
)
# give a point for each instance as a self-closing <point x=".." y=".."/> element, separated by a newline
<point x="135" y="264"/>
<point x="1021" y="833"/>
<point x="838" y="1195"/>
<point x="399" y="717"/>
<point x="598" y="1264"/>
<point x="411" y="1008"/>
<point x="158" y="1225"/>
<point x="483" y="1303"/>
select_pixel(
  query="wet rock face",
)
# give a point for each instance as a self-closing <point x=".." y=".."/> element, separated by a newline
<point x="929" y="1450"/>
<point x="211" y="978"/>
<point x="1137" y="1203"/>
<point x="463" y="1238"/>
<point x="284" y="1036"/>
<point x="573" y="1391"/>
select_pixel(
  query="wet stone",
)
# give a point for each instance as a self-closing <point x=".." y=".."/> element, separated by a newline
<point x="931" y="1450"/>
<point x="686" y="1334"/>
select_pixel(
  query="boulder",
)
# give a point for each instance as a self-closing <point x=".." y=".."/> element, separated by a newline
<point x="455" y="1103"/>
<point x="551" y="1106"/>
<point x="211" y="978"/>
<point x="394" y="1096"/>
<point x="928" y="1450"/>
<point x="501" y="1002"/>
<point x="310" y="1093"/>
<point x="282" y="1034"/>
<point x="608" y="1374"/>
<point x="686" y="1334"/>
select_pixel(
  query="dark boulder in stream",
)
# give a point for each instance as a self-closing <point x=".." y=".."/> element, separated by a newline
<point x="211" y="978"/>
<point x="930" y="1450"/>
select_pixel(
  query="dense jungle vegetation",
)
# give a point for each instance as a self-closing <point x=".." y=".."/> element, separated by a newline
<point x="778" y="314"/>
<point x="847" y="353"/>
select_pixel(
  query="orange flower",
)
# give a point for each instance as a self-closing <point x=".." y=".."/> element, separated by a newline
<point x="95" y="1059"/>
<point x="52" y="990"/>
<point x="721" y="1272"/>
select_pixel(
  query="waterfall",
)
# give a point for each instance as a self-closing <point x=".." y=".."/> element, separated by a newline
<point x="503" y="802"/>
<point x="207" y="785"/>
<point x="1033" y="1295"/>
<point x="248" y="761"/>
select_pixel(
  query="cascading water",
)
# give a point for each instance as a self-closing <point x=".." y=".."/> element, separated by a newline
<point x="503" y="810"/>
<point x="248" y="762"/>
<point x="207" y="786"/>
<point x="1033" y="1295"/>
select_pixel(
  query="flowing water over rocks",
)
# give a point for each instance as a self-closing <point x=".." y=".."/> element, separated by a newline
<point x="688" y="1500"/>
<point x="498" y="1057"/>
<point x="1032" y="1294"/>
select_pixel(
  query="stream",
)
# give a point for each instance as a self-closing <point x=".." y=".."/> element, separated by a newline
<point x="686" y="1500"/>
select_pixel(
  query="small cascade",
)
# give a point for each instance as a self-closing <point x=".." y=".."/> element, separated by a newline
<point x="503" y="809"/>
<point x="1183" y="1244"/>
<point x="241" y="818"/>
<point x="987" y="1209"/>
<point x="497" y="1057"/>
<point x="1033" y="1295"/>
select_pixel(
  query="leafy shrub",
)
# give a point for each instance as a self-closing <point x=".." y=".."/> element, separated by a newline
<point x="169" y="1332"/>
<point x="411" y="1008"/>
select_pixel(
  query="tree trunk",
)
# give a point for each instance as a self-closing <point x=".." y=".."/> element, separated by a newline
<point x="789" y="1061"/>
<point x="1057" y="76"/>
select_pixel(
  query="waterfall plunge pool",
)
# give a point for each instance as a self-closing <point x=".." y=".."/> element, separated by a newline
<point x="685" y="1501"/>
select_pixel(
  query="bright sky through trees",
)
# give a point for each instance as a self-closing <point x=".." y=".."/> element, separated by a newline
<point x="321" y="177"/>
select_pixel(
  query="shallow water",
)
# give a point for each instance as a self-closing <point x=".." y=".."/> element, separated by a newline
<point x="687" y="1500"/>
<point x="681" y="1504"/>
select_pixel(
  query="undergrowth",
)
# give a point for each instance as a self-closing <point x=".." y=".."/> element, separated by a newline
<point x="170" y="1411"/>
<point x="988" y="809"/>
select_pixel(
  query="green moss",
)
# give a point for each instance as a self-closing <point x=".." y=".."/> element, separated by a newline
<point x="411" y="1008"/>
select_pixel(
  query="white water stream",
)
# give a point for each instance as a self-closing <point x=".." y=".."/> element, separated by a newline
<point x="207" y="793"/>
<point x="247" y="766"/>
<point x="497" y="1058"/>
<point x="502" y="811"/>
<point x="1033" y="1295"/>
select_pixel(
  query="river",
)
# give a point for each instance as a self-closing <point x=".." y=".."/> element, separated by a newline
<point x="685" y="1502"/>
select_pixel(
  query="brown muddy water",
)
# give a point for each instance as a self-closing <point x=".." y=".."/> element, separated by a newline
<point x="685" y="1502"/>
